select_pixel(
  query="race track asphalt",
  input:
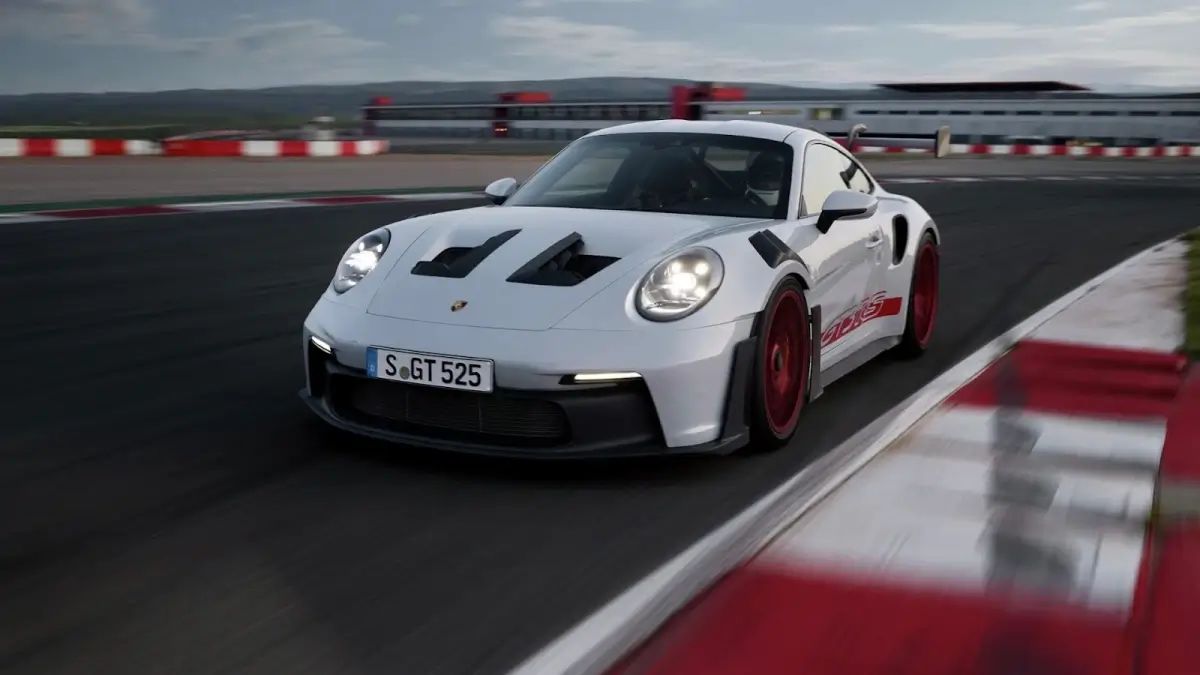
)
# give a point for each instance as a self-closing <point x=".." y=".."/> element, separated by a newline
<point x="169" y="506"/>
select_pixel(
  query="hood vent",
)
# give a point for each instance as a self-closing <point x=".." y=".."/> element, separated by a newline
<point x="457" y="262"/>
<point x="562" y="264"/>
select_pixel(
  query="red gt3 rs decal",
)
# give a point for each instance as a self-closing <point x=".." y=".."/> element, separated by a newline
<point x="875" y="306"/>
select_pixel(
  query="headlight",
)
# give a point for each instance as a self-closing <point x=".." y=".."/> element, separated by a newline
<point x="360" y="259"/>
<point x="680" y="285"/>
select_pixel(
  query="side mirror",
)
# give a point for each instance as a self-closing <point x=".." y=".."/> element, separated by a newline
<point x="845" y="204"/>
<point x="500" y="190"/>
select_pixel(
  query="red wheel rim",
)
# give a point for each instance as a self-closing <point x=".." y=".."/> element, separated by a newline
<point x="785" y="361"/>
<point x="925" y="293"/>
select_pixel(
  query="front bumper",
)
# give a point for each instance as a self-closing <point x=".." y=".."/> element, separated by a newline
<point x="690" y="398"/>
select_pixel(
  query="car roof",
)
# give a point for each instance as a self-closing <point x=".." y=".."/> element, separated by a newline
<point x="750" y="128"/>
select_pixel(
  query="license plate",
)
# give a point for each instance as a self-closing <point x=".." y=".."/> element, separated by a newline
<point x="434" y="370"/>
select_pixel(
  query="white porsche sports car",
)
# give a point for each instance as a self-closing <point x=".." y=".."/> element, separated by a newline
<point x="657" y="287"/>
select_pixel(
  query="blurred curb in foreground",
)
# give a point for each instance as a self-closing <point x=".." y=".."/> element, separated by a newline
<point x="1040" y="518"/>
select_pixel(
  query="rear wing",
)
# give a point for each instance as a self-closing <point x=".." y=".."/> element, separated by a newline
<point x="938" y="142"/>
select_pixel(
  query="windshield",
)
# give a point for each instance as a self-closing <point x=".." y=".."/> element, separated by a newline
<point x="705" y="174"/>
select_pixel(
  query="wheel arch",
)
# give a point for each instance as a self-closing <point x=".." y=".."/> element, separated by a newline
<point x="797" y="272"/>
<point x="931" y="228"/>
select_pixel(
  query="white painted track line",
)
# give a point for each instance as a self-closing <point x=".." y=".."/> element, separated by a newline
<point x="9" y="218"/>
<point x="250" y="205"/>
<point x="434" y="196"/>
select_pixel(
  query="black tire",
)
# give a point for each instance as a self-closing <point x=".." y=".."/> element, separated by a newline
<point x="782" y="364"/>
<point x="921" y="317"/>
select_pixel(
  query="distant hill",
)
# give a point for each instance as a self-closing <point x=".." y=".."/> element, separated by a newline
<point x="276" y="107"/>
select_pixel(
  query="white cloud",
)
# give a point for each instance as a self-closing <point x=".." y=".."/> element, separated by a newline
<point x="974" y="31"/>
<point x="130" y="23"/>
<point x="601" y="45"/>
<point x="606" y="49"/>
<point x="1156" y="48"/>
<point x="270" y="54"/>
<point x="1097" y="64"/>
<point x="1103" y="29"/>
<point x="1118" y="25"/>
<point x="847" y="28"/>
<point x="305" y="48"/>
<point x="315" y="38"/>
<point x="1090" y="6"/>
<point x="408" y="19"/>
<point x="92" y="22"/>
<point x="543" y="4"/>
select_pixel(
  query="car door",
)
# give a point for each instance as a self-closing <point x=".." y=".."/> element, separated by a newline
<point x="875" y="301"/>
<point x="844" y="258"/>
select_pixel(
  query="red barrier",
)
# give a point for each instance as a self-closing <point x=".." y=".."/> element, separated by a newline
<point x="39" y="147"/>
<point x="203" y="148"/>
<point x="293" y="148"/>
<point x="108" y="146"/>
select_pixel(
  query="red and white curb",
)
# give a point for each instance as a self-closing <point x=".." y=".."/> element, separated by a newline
<point x="82" y="147"/>
<point x="295" y="148"/>
<point x="225" y="206"/>
<point x="996" y="522"/>
<point x="74" y="147"/>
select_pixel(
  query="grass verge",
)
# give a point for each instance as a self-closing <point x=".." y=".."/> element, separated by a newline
<point x="1191" y="300"/>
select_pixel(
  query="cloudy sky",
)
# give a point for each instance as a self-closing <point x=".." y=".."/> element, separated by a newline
<point x="98" y="45"/>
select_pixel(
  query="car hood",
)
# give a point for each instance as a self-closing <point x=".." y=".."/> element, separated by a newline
<point x="485" y="296"/>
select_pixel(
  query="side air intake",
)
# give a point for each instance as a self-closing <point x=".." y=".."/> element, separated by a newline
<point x="562" y="264"/>
<point x="457" y="262"/>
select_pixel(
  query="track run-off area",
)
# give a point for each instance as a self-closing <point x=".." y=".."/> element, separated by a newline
<point x="171" y="506"/>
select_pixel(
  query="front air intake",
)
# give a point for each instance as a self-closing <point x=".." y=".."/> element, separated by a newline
<point x="457" y="262"/>
<point x="562" y="264"/>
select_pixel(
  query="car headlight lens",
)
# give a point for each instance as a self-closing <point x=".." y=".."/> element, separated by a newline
<point x="680" y="285"/>
<point x="362" y="257"/>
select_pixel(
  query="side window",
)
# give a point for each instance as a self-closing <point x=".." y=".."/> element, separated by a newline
<point x="823" y="167"/>
<point x="859" y="180"/>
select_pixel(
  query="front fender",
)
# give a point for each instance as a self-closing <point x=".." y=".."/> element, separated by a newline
<point x="749" y="280"/>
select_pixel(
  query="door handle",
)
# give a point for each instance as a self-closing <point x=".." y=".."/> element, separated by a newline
<point x="874" y="240"/>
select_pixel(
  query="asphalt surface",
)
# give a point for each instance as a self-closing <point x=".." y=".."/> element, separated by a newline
<point x="41" y="180"/>
<point x="169" y="506"/>
<point x="46" y="179"/>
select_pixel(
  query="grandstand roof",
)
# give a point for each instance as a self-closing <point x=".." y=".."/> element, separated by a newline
<point x="1040" y="86"/>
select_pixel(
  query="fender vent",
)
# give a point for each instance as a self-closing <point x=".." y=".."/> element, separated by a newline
<point x="457" y="262"/>
<point x="900" y="236"/>
<point x="562" y="264"/>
